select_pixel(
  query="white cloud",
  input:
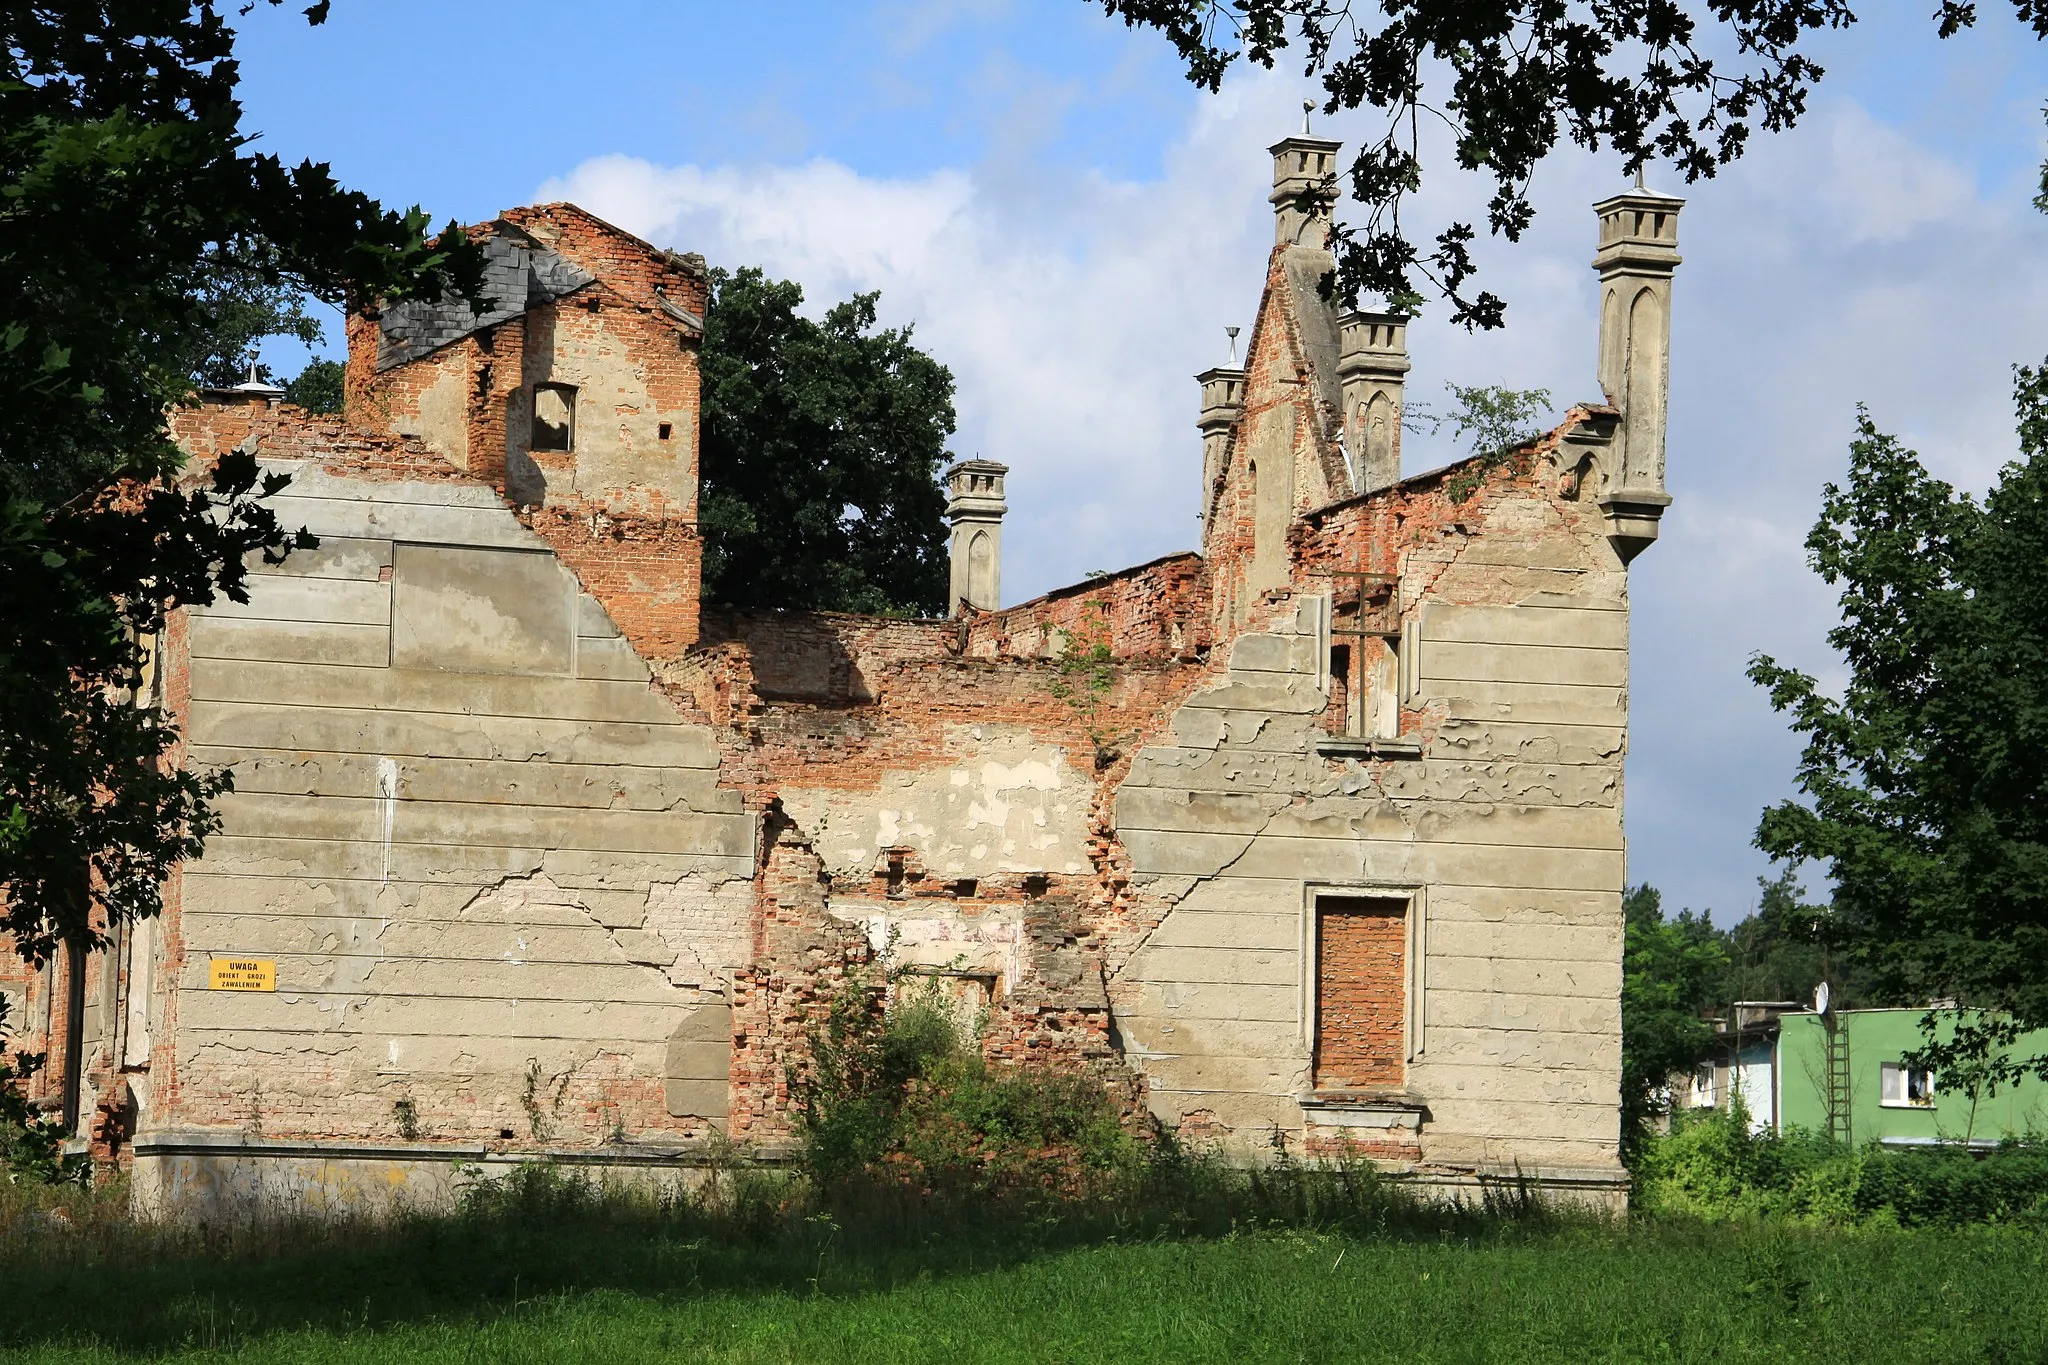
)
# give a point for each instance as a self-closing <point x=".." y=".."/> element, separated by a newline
<point x="1073" y="309"/>
<point x="1880" y="186"/>
<point x="1842" y="262"/>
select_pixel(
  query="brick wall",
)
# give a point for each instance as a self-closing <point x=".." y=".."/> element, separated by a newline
<point x="878" y="695"/>
<point x="1281" y="413"/>
<point x="627" y="343"/>
<point x="646" y="570"/>
<point x="802" y="959"/>
<point x="641" y="272"/>
<point x="827" y="658"/>
<point x="1361" y="989"/>
<point x="1157" y="610"/>
<point x="824" y="701"/>
<point x="833" y="729"/>
<point x="286" y="432"/>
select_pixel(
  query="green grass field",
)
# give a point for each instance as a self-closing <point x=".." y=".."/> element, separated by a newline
<point x="601" y="1281"/>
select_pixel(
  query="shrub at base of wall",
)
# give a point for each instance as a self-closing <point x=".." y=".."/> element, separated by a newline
<point x="1711" y="1166"/>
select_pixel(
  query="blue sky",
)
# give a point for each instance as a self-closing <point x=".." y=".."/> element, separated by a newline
<point x="1069" y="225"/>
<point x="467" y="107"/>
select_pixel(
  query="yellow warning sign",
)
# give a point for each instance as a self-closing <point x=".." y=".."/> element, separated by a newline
<point x="240" y="974"/>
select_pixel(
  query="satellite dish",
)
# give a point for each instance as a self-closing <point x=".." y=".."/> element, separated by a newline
<point x="1820" y="998"/>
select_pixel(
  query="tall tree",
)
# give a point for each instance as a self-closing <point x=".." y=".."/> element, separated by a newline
<point x="822" y="443"/>
<point x="243" y="306"/>
<point x="130" y="208"/>
<point x="1783" y="950"/>
<point x="1682" y="81"/>
<point x="316" y="388"/>
<point x="1926" y="780"/>
<point x="1669" y="970"/>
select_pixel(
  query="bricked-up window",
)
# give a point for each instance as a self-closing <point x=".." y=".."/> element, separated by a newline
<point x="554" y="417"/>
<point x="1361" y="992"/>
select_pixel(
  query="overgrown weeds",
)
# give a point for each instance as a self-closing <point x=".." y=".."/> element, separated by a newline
<point x="897" y="1092"/>
<point x="1712" y="1166"/>
<point x="1318" y="1259"/>
<point x="545" y="1231"/>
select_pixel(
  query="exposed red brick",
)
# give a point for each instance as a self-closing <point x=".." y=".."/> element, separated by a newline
<point x="1361" y="987"/>
<point x="645" y="570"/>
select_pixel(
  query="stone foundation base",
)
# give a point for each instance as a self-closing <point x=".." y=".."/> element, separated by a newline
<point x="202" y="1175"/>
<point x="207" y="1176"/>
<point x="1592" y="1190"/>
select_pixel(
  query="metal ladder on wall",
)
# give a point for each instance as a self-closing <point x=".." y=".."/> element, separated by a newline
<point x="1837" y="1071"/>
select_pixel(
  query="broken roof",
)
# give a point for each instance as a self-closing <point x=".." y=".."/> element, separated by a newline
<point x="519" y="273"/>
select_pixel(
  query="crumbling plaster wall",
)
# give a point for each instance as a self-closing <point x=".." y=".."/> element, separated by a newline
<point x="1507" y="830"/>
<point x="1185" y="864"/>
<point x="954" y="801"/>
<point x="632" y="377"/>
<point x="491" y="863"/>
<point x="1005" y="801"/>
<point x="433" y="400"/>
<point x="1158" y="610"/>
<point x="512" y="884"/>
<point x="471" y="402"/>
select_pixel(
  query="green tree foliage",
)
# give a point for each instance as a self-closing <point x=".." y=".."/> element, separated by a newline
<point x="822" y="443"/>
<point x="1084" y="676"/>
<point x="1491" y="421"/>
<point x="31" y="1142"/>
<point x="1782" y="951"/>
<point x="317" y="387"/>
<point x="1672" y="80"/>
<point x="1670" y="968"/>
<point x="1714" y="1167"/>
<point x="1926" y="780"/>
<point x="132" y="212"/>
<point x="1680" y="973"/>
<point x="241" y="306"/>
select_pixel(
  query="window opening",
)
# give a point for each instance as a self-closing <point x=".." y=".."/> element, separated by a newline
<point x="554" y="417"/>
<point x="1341" y="696"/>
<point x="665" y="430"/>
<point x="1905" y="1087"/>
<point x="1361" y="993"/>
<point x="964" y="996"/>
<point x="1373" y="705"/>
<point x="1703" y="1086"/>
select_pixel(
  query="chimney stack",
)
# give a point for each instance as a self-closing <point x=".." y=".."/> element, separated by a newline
<point x="1372" y="363"/>
<point x="974" y="509"/>
<point x="1304" y="173"/>
<point x="1638" y="253"/>
<point x="1222" y="401"/>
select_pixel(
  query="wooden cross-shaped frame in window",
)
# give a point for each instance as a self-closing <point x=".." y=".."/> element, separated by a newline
<point x="1375" y="601"/>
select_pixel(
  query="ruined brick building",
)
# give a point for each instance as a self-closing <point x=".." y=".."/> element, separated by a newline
<point x="1314" y="835"/>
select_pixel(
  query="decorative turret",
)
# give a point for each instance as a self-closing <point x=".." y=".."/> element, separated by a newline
<point x="1304" y="187"/>
<point x="1222" y="402"/>
<point x="1638" y="253"/>
<point x="1372" y="362"/>
<point x="974" y="509"/>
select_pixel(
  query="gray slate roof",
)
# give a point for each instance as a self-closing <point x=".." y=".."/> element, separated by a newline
<point x="519" y="273"/>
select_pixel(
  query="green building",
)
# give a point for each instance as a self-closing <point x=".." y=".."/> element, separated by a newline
<point x="1846" y="1073"/>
